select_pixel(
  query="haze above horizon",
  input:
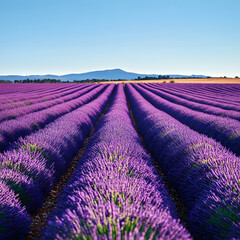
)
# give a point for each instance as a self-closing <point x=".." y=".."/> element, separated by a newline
<point x="155" y="37"/>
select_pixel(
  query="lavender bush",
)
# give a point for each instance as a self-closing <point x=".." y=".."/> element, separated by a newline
<point x="195" y="106"/>
<point x="13" y="129"/>
<point x="29" y="107"/>
<point x="224" y="130"/>
<point x="216" y="95"/>
<point x="14" y="219"/>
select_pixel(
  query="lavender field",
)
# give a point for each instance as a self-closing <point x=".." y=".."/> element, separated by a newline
<point x="134" y="161"/>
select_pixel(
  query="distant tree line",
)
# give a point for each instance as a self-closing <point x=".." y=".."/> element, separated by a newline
<point x="153" y="78"/>
<point x="48" y="80"/>
<point x="59" y="81"/>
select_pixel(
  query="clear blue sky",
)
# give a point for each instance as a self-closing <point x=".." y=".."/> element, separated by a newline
<point x="143" y="36"/>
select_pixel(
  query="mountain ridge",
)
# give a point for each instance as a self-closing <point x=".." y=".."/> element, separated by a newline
<point x="109" y="74"/>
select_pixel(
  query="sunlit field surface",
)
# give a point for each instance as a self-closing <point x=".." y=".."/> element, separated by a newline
<point x="182" y="80"/>
<point x="133" y="160"/>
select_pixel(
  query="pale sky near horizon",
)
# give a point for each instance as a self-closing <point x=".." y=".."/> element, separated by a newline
<point x="142" y="36"/>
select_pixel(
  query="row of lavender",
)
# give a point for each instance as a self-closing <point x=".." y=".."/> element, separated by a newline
<point x="203" y="172"/>
<point x="220" y="92"/>
<point x="18" y="89"/>
<point x="115" y="192"/>
<point x="32" y="168"/>
<point x="12" y="95"/>
<point x="29" y="102"/>
<point x="12" y="129"/>
<point x="57" y="99"/>
<point x="202" y="107"/>
<point x="224" y="130"/>
<point x="209" y="97"/>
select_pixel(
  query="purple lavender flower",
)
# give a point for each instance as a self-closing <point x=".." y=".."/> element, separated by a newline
<point x="14" y="220"/>
<point x="224" y="130"/>
<point x="205" y="174"/>
<point x="32" y="168"/>
<point x="13" y="129"/>
<point x="115" y="192"/>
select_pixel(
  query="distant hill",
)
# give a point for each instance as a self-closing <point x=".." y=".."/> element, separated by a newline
<point x="113" y="74"/>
